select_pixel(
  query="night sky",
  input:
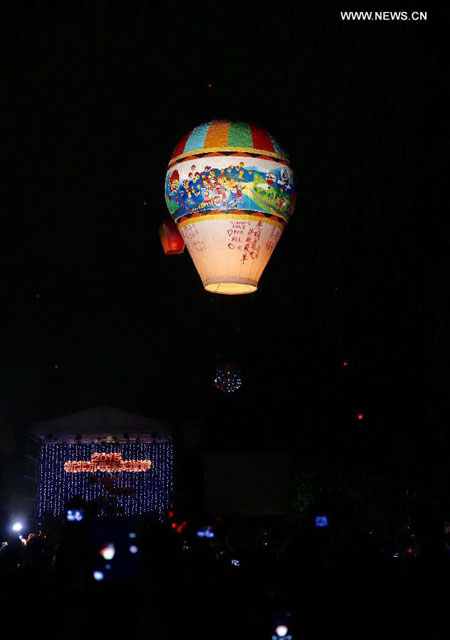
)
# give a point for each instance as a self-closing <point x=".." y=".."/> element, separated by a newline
<point x="95" y="97"/>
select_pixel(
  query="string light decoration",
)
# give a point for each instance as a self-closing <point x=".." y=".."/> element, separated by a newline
<point x="228" y="378"/>
<point x="126" y="493"/>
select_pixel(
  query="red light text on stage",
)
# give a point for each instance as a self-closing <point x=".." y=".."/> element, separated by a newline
<point x="107" y="462"/>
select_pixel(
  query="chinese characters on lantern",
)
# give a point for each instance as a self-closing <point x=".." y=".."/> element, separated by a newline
<point x="245" y="236"/>
<point x="107" y="462"/>
<point x="193" y="239"/>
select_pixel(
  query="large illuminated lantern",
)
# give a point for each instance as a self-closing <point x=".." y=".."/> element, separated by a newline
<point x="230" y="189"/>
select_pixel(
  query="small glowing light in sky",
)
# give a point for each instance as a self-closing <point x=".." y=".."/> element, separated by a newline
<point x="181" y="526"/>
<point x="210" y="85"/>
<point x="108" y="551"/>
<point x="98" y="575"/>
<point x="345" y="363"/>
<point x="133" y="549"/>
<point x="56" y="366"/>
<point x="17" y="526"/>
<point x="131" y="534"/>
<point x="409" y="550"/>
<point x="281" y="630"/>
<point x="360" y="416"/>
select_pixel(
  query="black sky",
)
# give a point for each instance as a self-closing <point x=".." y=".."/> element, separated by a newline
<point x="95" y="97"/>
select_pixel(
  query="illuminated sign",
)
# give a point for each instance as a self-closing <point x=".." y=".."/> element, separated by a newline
<point x="107" y="462"/>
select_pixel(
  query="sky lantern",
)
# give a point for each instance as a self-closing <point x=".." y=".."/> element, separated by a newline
<point x="170" y="237"/>
<point x="230" y="190"/>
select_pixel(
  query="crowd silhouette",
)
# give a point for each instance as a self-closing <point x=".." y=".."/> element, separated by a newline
<point x="237" y="581"/>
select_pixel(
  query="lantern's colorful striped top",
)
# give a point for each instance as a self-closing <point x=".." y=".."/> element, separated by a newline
<point x="224" y="136"/>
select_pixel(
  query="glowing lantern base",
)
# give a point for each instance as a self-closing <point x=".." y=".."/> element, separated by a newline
<point x="230" y="288"/>
<point x="231" y="250"/>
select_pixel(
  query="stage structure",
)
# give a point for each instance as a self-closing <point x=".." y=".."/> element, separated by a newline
<point x="121" y="462"/>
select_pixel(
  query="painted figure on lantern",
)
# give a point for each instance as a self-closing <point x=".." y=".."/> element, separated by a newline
<point x="194" y="195"/>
